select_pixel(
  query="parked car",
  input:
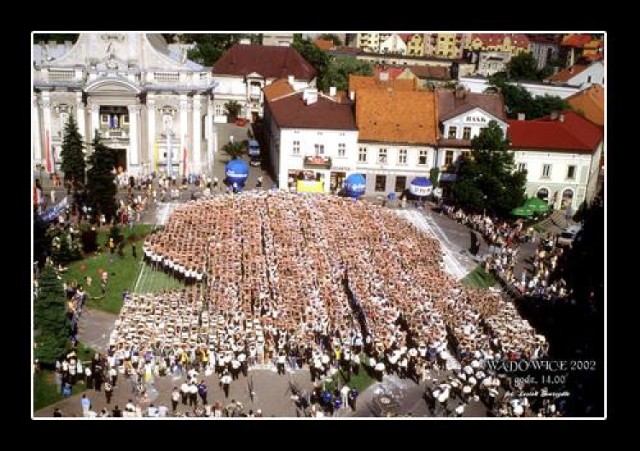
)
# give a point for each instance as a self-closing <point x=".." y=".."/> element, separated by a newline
<point x="254" y="152"/>
<point x="567" y="237"/>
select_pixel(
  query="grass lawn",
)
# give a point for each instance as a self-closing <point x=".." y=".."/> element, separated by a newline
<point x="479" y="278"/>
<point x="45" y="391"/>
<point x="360" y="382"/>
<point x="123" y="272"/>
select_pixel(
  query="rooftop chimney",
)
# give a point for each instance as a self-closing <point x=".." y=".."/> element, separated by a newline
<point x="554" y="115"/>
<point x="521" y="116"/>
<point x="561" y="117"/>
<point x="352" y="95"/>
<point x="310" y="96"/>
<point x="332" y="91"/>
<point x="290" y="79"/>
<point x="384" y="76"/>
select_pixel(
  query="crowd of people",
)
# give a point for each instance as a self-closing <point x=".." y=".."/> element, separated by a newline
<point x="294" y="279"/>
<point x="504" y="240"/>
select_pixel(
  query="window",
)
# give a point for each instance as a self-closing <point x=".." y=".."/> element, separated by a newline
<point x="546" y="171"/>
<point x="522" y="167"/>
<point x="466" y="133"/>
<point x="589" y="79"/>
<point x="382" y="156"/>
<point x="219" y="109"/>
<point x="452" y="132"/>
<point x="448" y="157"/>
<point x="362" y="155"/>
<point x="104" y="118"/>
<point x="296" y="147"/>
<point x="381" y="183"/>
<point x="401" y="183"/>
<point x="543" y="193"/>
<point x="571" y="172"/>
<point x="125" y="119"/>
<point x="342" y="149"/>
<point x="319" y="149"/>
<point x="402" y="156"/>
<point x="422" y="156"/>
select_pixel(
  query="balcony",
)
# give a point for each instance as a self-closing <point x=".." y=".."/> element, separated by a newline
<point x="114" y="133"/>
<point x="317" y="162"/>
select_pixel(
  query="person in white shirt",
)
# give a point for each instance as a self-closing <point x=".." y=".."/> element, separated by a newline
<point x="184" y="391"/>
<point x="193" y="395"/>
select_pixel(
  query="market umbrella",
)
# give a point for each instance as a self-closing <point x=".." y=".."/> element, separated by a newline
<point x="537" y="205"/>
<point x="524" y="211"/>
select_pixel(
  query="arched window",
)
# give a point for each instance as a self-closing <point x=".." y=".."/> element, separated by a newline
<point x="567" y="198"/>
<point x="543" y="193"/>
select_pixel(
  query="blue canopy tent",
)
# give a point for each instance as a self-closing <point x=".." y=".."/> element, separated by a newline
<point x="355" y="185"/>
<point x="421" y="187"/>
<point x="237" y="171"/>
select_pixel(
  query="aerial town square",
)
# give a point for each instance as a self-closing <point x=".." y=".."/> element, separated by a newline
<point x="328" y="225"/>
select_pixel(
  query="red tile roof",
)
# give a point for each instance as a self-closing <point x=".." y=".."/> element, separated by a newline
<point x="431" y="72"/>
<point x="266" y="60"/>
<point x="566" y="74"/>
<point x="324" y="44"/>
<point x="590" y="102"/>
<point x="575" y="134"/>
<point x="291" y="112"/>
<point x="392" y="116"/>
<point x="575" y="40"/>
<point x="450" y="106"/>
<point x="491" y="39"/>
<point x="392" y="71"/>
<point x="358" y="82"/>
<point x="277" y="89"/>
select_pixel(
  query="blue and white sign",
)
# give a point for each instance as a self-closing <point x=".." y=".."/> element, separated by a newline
<point x="421" y="186"/>
<point x="355" y="185"/>
<point x="237" y="171"/>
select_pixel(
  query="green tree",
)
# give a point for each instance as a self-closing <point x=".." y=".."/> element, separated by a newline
<point x="101" y="188"/>
<point x="234" y="149"/>
<point x="209" y="47"/>
<point x="50" y="318"/>
<point x="518" y="100"/>
<point x="314" y="56"/>
<point x="233" y="110"/>
<point x="524" y="67"/>
<point x="331" y="37"/>
<point x="72" y="161"/>
<point x="487" y="179"/>
<point x="340" y="68"/>
<point x="65" y="244"/>
<point x="41" y="240"/>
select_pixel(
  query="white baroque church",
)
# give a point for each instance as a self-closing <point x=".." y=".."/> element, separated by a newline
<point x="148" y="101"/>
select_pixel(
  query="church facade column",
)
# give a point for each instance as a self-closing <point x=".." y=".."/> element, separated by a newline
<point x="95" y="120"/>
<point x="134" y="137"/>
<point x="46" y="123"/>
<point x="151" y="133"/>
<point x="37" y="137"/>
<point x="184" y="110"/>
<point x="80" y="116"/>
<point x="197" y="135"/>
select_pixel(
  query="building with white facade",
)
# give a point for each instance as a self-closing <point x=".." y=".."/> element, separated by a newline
<point x="491" y="62"/>
<point x="561" y="154"/>
<point x="244" y="70"/>
<point x="580" y="75"/>
<point x="394" y="44"/>
<point x="479" y="84"/>
<point x="397" y="137"/>
<point x="152" y="105"/>
<point x="311" y="137"/>
<point x="461" y="117"/>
